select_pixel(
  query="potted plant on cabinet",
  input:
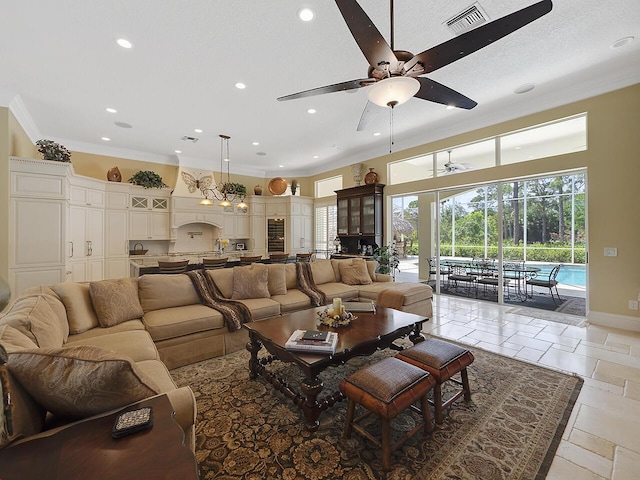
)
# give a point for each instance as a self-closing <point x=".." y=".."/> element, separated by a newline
<point x="53" y="151"/>
<point x="147" y="179"/>
<point x="387" y="258"/>
<point x="232" y="188"/>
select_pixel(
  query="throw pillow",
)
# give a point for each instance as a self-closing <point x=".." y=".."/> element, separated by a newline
<point x="80" y="381"/>
<point x="77" y="303"/>
<point x="34" y="317"/>
<point x="250" y="282"/>
<point x="372" y="265"/>
<point x="322" y="272"/>
<point x="52" y="299"/>
<point x="20" y="416"/>
<point x="115" y="301"/>
<point x="13" y="339"/>
<point x="277" y="279"/>
<point x="356" y="273"/>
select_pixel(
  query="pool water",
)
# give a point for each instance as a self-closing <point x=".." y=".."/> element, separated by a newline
<point x="569" y="274"/>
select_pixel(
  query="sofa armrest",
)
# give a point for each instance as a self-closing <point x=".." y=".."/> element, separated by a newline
<point x="383" y="277"/>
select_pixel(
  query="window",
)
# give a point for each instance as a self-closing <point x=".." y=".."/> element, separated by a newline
<point x="328" y="186"/>
<point x="326" y="229"/>
<point x="555" y="138"/>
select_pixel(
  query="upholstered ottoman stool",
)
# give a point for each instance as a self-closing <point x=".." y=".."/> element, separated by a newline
<point x="386" y="389"/>
<point x="442" y="360"/>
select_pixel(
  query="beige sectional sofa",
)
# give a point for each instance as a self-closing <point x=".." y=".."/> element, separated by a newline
<point x="158" y="322"/>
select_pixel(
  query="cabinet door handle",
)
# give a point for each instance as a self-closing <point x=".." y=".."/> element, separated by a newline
<point x="71" y="256"/>
<point x="89" y="248"/>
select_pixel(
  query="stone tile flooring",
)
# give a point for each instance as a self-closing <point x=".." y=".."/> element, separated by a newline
<point x="602" y="439"/>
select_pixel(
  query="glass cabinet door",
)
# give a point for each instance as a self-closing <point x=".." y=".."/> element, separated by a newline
<point x="368" y="215"/>
<point x="354" y="216"/>
<point x="343" y="217"/>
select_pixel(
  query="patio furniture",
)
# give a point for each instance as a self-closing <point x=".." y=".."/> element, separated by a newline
<point x="461" y="276"/>
<point x="551" y="283"/>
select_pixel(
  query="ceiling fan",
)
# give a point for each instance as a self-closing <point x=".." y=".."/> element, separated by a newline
<point x="451" y="167"/>
<point x="394" y="76"/>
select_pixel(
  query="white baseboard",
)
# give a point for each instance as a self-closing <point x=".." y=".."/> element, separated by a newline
<point x="624" y="322"/>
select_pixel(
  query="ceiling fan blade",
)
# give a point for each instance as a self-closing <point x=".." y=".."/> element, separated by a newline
<point x="467" y="43"/>
<point x="436" y="92"/>
<point x="370" y="111"/>
<point x="373" y="45"/>
<point x="337" y="87"/>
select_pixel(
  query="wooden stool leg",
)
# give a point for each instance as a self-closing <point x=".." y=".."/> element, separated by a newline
<point x="437" y="403"/>
<point x="465" y="384"/>
<point x="426" y="414"/>
<point x="348" y="424"/>
<point x="386" y="444"/>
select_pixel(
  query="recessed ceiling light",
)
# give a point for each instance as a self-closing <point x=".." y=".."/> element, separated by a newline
<point x="622" y="42"/>
<point x="280" y="166"/>
<point x="316" y="156"/>
<point x="111" y="110"/>
<point x="527" y="87"/>
<point x="124" y="43"/>
<point x="261" y="154"/>
<point x="311" y="110"/>
<point x="306" y="14"/>
<point x="517" y="148"/>
<point x="377" y="134"/>
<point x="178" y="151"/>
<point x="241" y="85"/>
<point x="450" y="107"/>
<point x="106" y="139"/>
<point x="197" y="130"/>
<point x="123" y="125"/>
<point x="255" y="143"/>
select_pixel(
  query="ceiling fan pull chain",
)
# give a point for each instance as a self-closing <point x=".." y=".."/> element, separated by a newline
<point x="391" y="142"/>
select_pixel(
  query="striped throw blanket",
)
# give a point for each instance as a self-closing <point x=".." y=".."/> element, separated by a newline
<point x="308" y="286"/>
<point x="234" y="313"/>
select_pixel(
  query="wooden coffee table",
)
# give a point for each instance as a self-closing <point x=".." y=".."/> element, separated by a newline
<point x="367" y="334"/>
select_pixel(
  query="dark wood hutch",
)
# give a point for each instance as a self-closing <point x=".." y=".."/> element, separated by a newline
<point x="360" y="217"/>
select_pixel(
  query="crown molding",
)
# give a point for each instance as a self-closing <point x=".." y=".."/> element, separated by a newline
<point x="19" y="110"/>
<point x="208" y="164"/>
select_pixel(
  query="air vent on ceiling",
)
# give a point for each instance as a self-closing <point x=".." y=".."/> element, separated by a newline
<point x="187" y="138"/>
<point x="468" y="19"/>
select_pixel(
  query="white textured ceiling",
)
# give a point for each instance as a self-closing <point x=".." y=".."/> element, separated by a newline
<point x="60" y="68"/>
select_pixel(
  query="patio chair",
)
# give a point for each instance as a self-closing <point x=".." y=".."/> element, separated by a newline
<point x="551" y="283"/>
<point x="444" y="271"/>
<point x="459" y="276"/>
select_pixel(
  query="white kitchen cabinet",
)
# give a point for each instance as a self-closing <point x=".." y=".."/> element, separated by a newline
<point x="149" y="225"/>
<point x="116" y="233"/>
<point x="86" y="244"/>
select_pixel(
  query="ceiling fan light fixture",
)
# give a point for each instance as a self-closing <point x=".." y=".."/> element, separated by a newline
<point x="393" y="91"/>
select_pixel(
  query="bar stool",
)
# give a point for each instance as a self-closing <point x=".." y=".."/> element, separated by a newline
<point x="173" y="267"/>
<point x="246" y="260"/>
<point x="214" y="263"/>
<point x="442" y="360"/>
<point x="303" y="257"/>
<point x="278" y="257"/>
<point x="386" y="389"/>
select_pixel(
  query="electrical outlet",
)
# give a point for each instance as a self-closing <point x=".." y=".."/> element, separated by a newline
<point x="610" y="252"/>
<point x="633" y="305"/>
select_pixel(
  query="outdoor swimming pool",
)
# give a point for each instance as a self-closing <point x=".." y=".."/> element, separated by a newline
<point x="569" y="274"/>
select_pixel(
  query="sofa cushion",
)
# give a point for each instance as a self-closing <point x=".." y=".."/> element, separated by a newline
<point x="223" y="278"/>
<point x="115" y="301"/>
<point x="250" y="282"/>
<point x="20" y="415"/>
<point x="322" y="272"/>
<point x="335" y="263"/>
<point x="413" y="292"/>
<point x="291" y="275"/>
<point x="36" y="319"/>
<point x="292" y="301"/>
<point x="136" y="344"/>
<point x="77" y="303"/>
<point x="372" y="265"/>
<point x="355" y="273"/>
<point x="129" y="326"/>
<point x="342" y="290"/>
<point x="166" y="291"/>
<point x="13" y="339"/>
<point x="262" y="307"/>
<point x="277" y="279"/>
<point x="179" y="321"/>
<point x="80" y="381"/>
<point x="51" y="297"/>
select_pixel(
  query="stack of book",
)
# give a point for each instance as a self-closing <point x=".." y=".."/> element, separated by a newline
<point x="312" y="341"/>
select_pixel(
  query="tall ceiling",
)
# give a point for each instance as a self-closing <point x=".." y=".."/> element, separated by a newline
<point x="61" y="68"/>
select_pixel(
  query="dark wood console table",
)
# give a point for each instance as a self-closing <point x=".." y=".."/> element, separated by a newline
<point x="86" y="451"/>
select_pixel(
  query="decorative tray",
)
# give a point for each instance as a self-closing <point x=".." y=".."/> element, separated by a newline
<point x="277" y="186"/>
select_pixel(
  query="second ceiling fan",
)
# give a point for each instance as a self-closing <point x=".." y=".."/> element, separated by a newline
<point x="395" y="76"/>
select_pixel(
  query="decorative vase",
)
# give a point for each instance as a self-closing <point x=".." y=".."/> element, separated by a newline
<point x="294" y="187"/>
<point x="371" y="177"/>
<point x="114" y="175"/>
<point x="257" y="190"/>
<point x="357" y="173"/>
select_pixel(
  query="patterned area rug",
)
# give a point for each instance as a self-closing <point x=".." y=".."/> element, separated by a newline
<point x="247" y="430"/>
